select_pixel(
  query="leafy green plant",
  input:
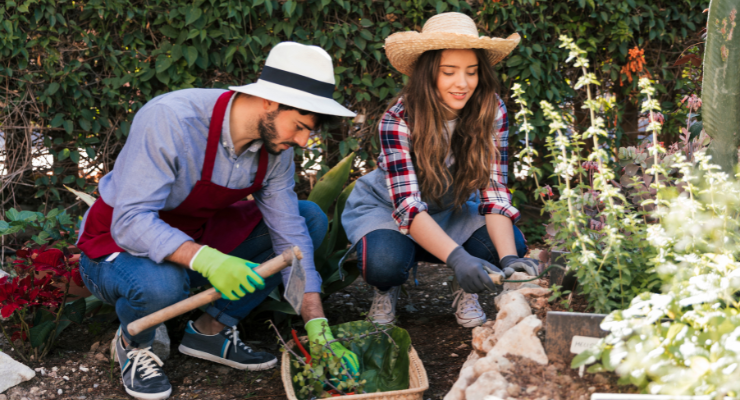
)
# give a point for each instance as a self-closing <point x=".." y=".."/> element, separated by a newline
<point x="55" y="225"/>
<point x="383" y="352"/>
<point x="684" y="340"/>
<point x="328" y="192"/>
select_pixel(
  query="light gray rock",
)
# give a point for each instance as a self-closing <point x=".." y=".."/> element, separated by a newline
<point x="12" y="372"/>
<point x="492" y="383"/>
<point x="522" y="340"/>
<point x="513" y="307"/>
<point x="161" y="345"/>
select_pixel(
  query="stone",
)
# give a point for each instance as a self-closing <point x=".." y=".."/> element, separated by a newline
<point x="535" y="292"/>
<point x="522" y="340"/>
<point x="490" y="383"/>
<point x="481" y="335"/>
<point x="470" y="361"/>
<point x="457" y="392"/>
<point x="514" y="308"/>
<point x="492" y="398"/>
<point x="161" y="345"/>
<point x="513" y="389"/>
<point x="519" y="276"/>
<point x="493" y="363"/>
<point x="94" y="347"/>
<point x="12" y="372"/>
<point x="3" y="397"/>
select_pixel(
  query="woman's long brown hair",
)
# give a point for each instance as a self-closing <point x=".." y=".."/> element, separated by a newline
<point x="471" y="142"/>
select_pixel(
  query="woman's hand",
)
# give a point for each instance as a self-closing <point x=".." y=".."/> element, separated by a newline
<point x="472" y="272"/>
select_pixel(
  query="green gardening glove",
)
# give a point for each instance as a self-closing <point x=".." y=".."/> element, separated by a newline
<point x="231" y="276"/>
<point x="319" y="331"/>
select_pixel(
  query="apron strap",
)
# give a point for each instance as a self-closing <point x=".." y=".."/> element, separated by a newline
<point x="262" y="168"/>
<point x="214" y="134"/>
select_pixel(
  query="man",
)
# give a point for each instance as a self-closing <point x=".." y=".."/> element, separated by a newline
<point x="171" y="213"/>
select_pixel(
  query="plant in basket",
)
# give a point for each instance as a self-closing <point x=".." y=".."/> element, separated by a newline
<point x="382" y="350"/>
<point x="35" y="309"/>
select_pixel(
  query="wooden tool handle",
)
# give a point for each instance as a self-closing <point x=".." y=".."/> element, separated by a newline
<point x="266" y="269"/>
<point x="496" y="278"/>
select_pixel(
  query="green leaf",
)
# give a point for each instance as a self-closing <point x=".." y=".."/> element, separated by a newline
<point x="74" y="156"/>
<point x="63" y="155"/>
<point x="75" y="311"/>
<point x="53" y="87"/>
<point x="441" y="7"/>
<point x="330" y="185"/>
<point x="58" y="120"/>
<point x="366" y="23"/>
<point x="163" y="62"/>
<point x="84" y="124"/>
<point x="176" y="52"/>
<point x="68" y="126"/>
<point x="514" y="61"/>
<point x="12" y="215"/>
<point x="90" y="152"/>
<point x="169" y="31"/>
<point x="191" y="55"/>
<point x="40" y="333"/>
<point x="193" y="14"/>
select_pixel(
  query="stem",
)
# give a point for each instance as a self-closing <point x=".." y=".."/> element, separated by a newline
<point x="20" y="353"/>
<point x="297" y="357"/>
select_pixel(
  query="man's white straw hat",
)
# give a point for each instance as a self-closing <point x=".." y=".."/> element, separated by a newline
<point x="299" y="76"/>
<point x="450" y="30"/>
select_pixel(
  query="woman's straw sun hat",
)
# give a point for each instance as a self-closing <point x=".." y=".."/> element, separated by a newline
<point x="450" y="30"/>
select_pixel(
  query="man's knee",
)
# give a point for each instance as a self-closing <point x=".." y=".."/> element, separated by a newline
<point x="385" y="258"/>
<point x="316" y="220"/>
<point x="164" y="287"/>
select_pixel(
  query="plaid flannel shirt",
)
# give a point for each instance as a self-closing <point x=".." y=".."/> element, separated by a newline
<point x="401" y="180"/>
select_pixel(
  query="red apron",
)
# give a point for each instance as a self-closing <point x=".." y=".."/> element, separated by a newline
<point x="211" y="214"/>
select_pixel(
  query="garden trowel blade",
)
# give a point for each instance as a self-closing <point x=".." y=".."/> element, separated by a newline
<point x="296" y="285"/>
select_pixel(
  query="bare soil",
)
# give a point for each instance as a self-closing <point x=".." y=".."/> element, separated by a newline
<point x="83" y="370"/>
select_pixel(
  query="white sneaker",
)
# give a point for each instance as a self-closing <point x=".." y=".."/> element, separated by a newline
<point x="469" y="313"/>
<point x="383" y="310"/>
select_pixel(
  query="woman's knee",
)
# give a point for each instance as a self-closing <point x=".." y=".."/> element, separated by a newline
<point x="316" y="221"/>
<point x="385" y="258"/>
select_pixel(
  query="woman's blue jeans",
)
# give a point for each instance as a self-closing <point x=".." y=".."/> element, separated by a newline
<point x="137" y="286"/>
<point x="385" y="256"/>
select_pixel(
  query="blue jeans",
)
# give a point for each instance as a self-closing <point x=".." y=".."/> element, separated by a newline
<point x="385" y="256"/>
<point x="137" y="286"/>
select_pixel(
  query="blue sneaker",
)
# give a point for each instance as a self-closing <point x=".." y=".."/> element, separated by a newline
<point x="141" y="372"/>
<point x="225" y="348"/>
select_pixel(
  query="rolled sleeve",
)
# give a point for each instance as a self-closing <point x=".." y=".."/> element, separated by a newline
<point x="142" y="180"/>
<point x="496" y="198"/>
<point x="278" y="203"/>
<point x="395" y="160"/>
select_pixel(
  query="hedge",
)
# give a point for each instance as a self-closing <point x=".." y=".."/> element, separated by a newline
<point x="74" y="73"/>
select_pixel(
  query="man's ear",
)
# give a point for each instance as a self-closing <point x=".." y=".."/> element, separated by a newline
<point x="269" y="105"/>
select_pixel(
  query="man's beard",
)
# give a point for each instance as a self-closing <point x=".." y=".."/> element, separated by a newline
<point x="268" y="134"/>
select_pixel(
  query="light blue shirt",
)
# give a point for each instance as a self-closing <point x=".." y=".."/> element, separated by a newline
<point x="163" y="159"/>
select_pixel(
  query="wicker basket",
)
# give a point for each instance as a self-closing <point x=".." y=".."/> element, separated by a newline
<point x="418" y="381"/>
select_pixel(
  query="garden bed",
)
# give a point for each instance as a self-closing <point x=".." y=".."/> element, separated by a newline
<point x="441" y="344"/>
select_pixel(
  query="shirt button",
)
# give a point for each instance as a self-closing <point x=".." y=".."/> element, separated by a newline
<point x="237" y="165"/>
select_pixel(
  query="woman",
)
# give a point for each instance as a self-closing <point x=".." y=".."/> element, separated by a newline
<point x="440" y="193"/>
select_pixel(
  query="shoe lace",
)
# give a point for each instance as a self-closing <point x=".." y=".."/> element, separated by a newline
<point x="466" y="302"/>
<point x="233" y="334"/>
<point x="145" y="361"/>
<point x="382" y="303"/>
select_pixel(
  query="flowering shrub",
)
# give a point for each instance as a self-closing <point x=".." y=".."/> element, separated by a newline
<point x="686" y="339"/>
<point x="604" y="224"/>
<point x="35" y="309"/>
<point x="36" y="289"/>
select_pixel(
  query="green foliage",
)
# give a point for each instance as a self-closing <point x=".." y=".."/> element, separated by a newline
<point x="329" y="192"/>
<point x="77" y="72"/>
<point x="721" y="86"/>
<point x="383" y="352"/>
<point x="684" y="340"/>
<point x="56" y="225"/>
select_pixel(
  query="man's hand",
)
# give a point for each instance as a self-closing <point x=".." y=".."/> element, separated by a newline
<point x="471" y="272"/>
<point x="231" y="276"/>
<point x="319" y="332"/>
<point x="512" y="264"/>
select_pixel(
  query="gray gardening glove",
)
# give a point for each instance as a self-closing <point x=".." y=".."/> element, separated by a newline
<point x="512" y="264"/>
<point x="471" y="271"/>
